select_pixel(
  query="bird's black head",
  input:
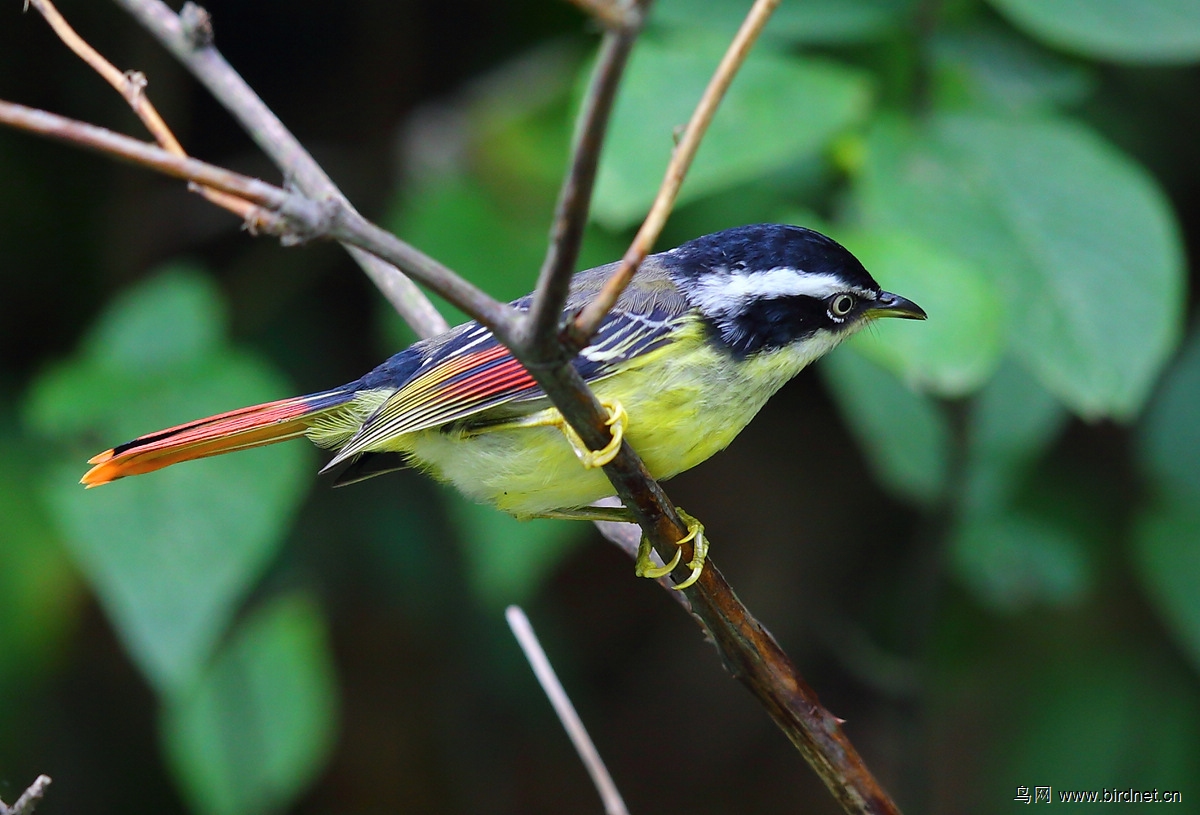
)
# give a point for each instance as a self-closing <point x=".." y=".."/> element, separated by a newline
<point x="767" y="286"/>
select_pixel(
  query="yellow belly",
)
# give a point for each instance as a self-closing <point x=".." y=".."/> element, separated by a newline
<point x="685" y="403"/>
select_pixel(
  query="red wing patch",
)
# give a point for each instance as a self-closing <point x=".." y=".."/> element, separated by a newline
<point x="460" y="385"/>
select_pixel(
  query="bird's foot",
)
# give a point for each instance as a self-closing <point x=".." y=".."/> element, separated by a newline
<point x="646" y="567"/>
<point x="618" y="421"/>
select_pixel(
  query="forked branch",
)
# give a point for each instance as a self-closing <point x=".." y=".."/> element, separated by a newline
<point x="681" y="160"/>
<point x="188" y="36"/>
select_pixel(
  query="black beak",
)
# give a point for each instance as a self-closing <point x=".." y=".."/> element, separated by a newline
<point x="893" y="305"/>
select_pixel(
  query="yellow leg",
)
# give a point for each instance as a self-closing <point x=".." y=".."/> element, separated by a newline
<point x="645" y="565"/>
<point x="618" y="420"/>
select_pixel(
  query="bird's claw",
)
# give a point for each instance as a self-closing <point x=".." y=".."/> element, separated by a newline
<point x="618" y="420"/>
<point x="646" y="567"/>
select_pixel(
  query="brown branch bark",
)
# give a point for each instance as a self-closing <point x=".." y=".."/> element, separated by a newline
<point x="132" y="87"/>
<point x="681" y="160"/>
<point x="189" y="37"/>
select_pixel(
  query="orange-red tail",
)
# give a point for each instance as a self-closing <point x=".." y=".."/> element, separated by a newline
<point x="238" y="429"/>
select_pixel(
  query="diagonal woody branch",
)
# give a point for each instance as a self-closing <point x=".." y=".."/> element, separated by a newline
<point x="188" y="36"/>
<point x="681" y="160"/>
<point x="747" y="648"/>
<point x="132" y="86"/>
<point x="296" y="218"/>
<point x="571" y="211"/>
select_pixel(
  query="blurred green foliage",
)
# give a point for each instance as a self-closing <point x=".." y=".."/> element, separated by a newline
<point x="170" y="558"/>
<point x="1017" y="528"/>
<point x="1079" y="241"/>
<point x="666" y="76"/>
<point x="1165" y="31"/>
<point x="259" y="722"/>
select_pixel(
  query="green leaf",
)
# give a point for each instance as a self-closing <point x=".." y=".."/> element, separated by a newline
<point x="456" y="221"/>
<point x="903" y="433"/>
<point x="956" y="350"/>
<point x="459" y="220"/>
<point x="169" y="554"/>
<point x="985" y="66"/>
<point x="813" y="21"/>
<point x="1013" y="417"/>
<point x="1167" y="555"/>
<point x="1159" y="31"/>
<point x="1079" y="239"/>
<point x="253" y="732"/>
<point x="508" y="559"/>
<point x="1013" y="561"/>
<point x="1170" y="438"/>
<point x="781" y="109"/>
<point x="172" y="319"/>
<point x="1012" y="421"/>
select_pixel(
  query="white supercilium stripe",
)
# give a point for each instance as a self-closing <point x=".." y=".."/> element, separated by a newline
<point x="722" y="293"/>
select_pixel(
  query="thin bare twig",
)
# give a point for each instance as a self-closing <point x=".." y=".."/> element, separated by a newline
<point x="132" y="86"/>
<point x="548" y="679"/>
<point x="29" y="799"/>
<point x="189" y="37"/>
<point x="297" y="216"/>
<point x="570" y="216"/>
<point x="590" y="317"/>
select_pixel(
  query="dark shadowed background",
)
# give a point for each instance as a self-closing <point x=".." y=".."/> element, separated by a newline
<point x="978" y="537"/>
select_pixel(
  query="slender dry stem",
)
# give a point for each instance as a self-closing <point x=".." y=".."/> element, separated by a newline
<point x="189" y="37"/>
<point x="298" y="218"/>
<point x="522" y="629"/>
<point x="285" y="213"/>
<point x="29" y="799"/>
<point x="589" y="319"/>
<point x="132" y="87"/>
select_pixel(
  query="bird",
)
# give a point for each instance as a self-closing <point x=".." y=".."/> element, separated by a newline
<point x="696" y="344"/>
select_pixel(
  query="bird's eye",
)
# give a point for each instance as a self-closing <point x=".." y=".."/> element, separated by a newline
<point x="841" y="305"/>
